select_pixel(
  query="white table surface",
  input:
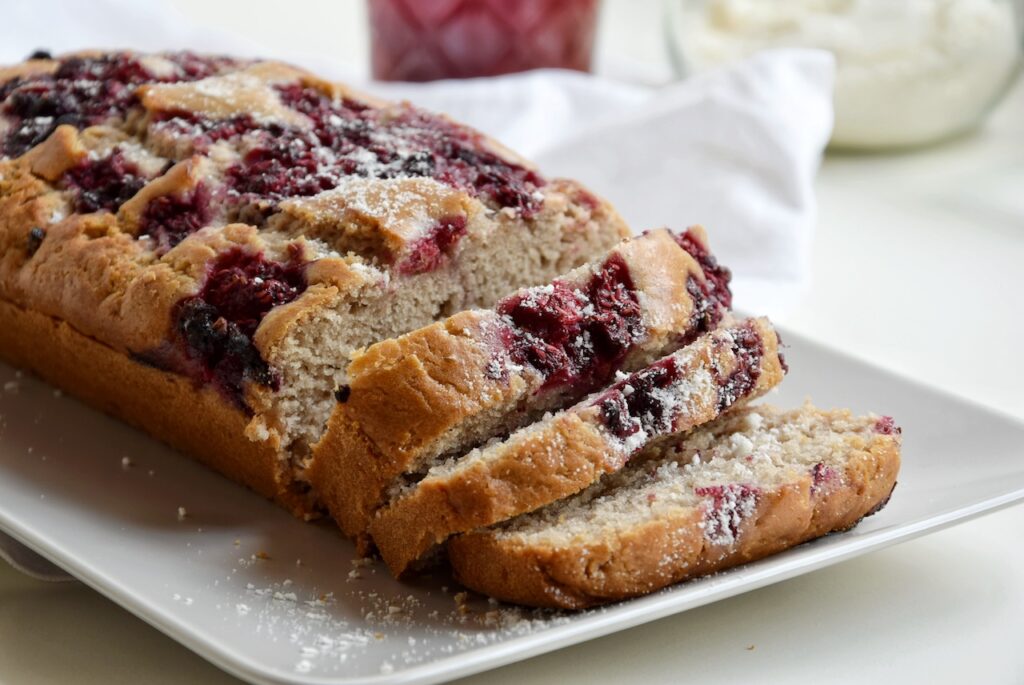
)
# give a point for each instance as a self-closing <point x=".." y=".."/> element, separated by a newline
<point x="919" y="267"/>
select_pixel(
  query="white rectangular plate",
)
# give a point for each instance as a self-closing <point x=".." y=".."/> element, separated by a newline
<point x="272" y="600"/>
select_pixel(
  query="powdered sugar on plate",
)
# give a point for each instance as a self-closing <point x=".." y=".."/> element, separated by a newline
<point x="327" y="631"/>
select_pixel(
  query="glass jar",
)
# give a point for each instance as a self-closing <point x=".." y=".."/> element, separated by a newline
<point x="423" y="40"/>
<point x="909" y="72"/>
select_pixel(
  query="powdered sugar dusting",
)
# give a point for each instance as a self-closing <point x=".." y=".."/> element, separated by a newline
<point x="719" y="470"/>
<point x="401" y="205"/>
<point x="725" y="508"/>
<point x="575" y="332"/>
<point x="411" y="627"/>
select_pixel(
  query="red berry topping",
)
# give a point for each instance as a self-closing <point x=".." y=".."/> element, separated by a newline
<point x="639" y="403"/>
<point x="169" y="219"/>
<point x="726" y="508"/>
<point x="821" y="476"/>
<point x="217" y="324"/>
<point x="430" y="251"/>
<point x="711" y="296"/>
<point x="105" y="183"/>
<point x="575" y="336"/>
<point x="84" y="91"/>
<point x="887" y="426"/>
<point x="749" y="350"/>
<point x="349" y="138"/>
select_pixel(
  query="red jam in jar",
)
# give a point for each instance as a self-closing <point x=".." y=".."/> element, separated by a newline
<point x="424" y="40"/>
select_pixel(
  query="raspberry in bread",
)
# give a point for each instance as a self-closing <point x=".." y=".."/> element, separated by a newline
<point x="221" y="234"/>
<point x="565" y="452"/>
<point x="753" y="483"/>
<point x="441" y="390"/>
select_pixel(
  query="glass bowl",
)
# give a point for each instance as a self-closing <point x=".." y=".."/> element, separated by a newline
<point x="908" y="72"/>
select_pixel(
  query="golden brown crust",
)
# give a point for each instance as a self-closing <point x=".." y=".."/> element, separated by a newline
<point x="26" y="202"/>
<point x="537" y="467"/>
<point x="333" y="479"/>
<point x="245" y="92"/>
<point x="424" y="378"/>
<point x="672" y="549"/>
<point x="55" y="155"/>
<point x="163" y="404"/>
<point x="379" y="217"/>
<point x="28" y="68"/>
<point x="182" y="177"/>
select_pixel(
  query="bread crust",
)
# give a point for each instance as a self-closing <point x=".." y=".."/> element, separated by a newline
<point x="672" y="549"/>
<point x="536" y="468"/>
<point x="155" y="401"/>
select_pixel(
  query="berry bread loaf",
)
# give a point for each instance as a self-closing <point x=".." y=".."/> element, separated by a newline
<point x="446" y="388"/>
<point x="196" y="244"/>
<point x="565" y="452"/>
<point x="755" y="482"/>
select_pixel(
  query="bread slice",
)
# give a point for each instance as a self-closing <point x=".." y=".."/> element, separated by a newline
<point x="566" y="452"/>
<point x="441" y="390"/>
<point x="241" y="227"/>
<point x="753" y="483"/>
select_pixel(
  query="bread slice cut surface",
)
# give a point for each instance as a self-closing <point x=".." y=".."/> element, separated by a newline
<point x="411" y="402"/>
<point x="752" y="483"/>
<point x="567" y="451"/>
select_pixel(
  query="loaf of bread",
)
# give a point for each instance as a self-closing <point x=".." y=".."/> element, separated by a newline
<point x="565" y="452"/>
<point x="358" y="306"/>
<point x="753" y="483"/>
<point x="439" y="391"/>
<point x="197" y="244"/>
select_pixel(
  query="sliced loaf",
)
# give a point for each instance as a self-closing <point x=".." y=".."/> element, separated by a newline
<point x="753" y="483"/>
<point x="565" y="452"/>
<point x="441" y="390"/>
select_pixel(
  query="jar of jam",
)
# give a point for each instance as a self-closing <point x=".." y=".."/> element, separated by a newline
<point x="424" y="40"/>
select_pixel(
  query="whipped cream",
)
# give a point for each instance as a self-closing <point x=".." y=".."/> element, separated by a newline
<point x="908" y="72"/>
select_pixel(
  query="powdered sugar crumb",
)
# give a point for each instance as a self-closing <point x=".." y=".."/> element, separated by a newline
<point x="410" y="626"/>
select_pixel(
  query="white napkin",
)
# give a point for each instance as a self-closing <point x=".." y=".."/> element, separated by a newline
<point x="736" y="150"/>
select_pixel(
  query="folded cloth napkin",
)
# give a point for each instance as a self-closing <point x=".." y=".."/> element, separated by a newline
<point x="735" y="149"/>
